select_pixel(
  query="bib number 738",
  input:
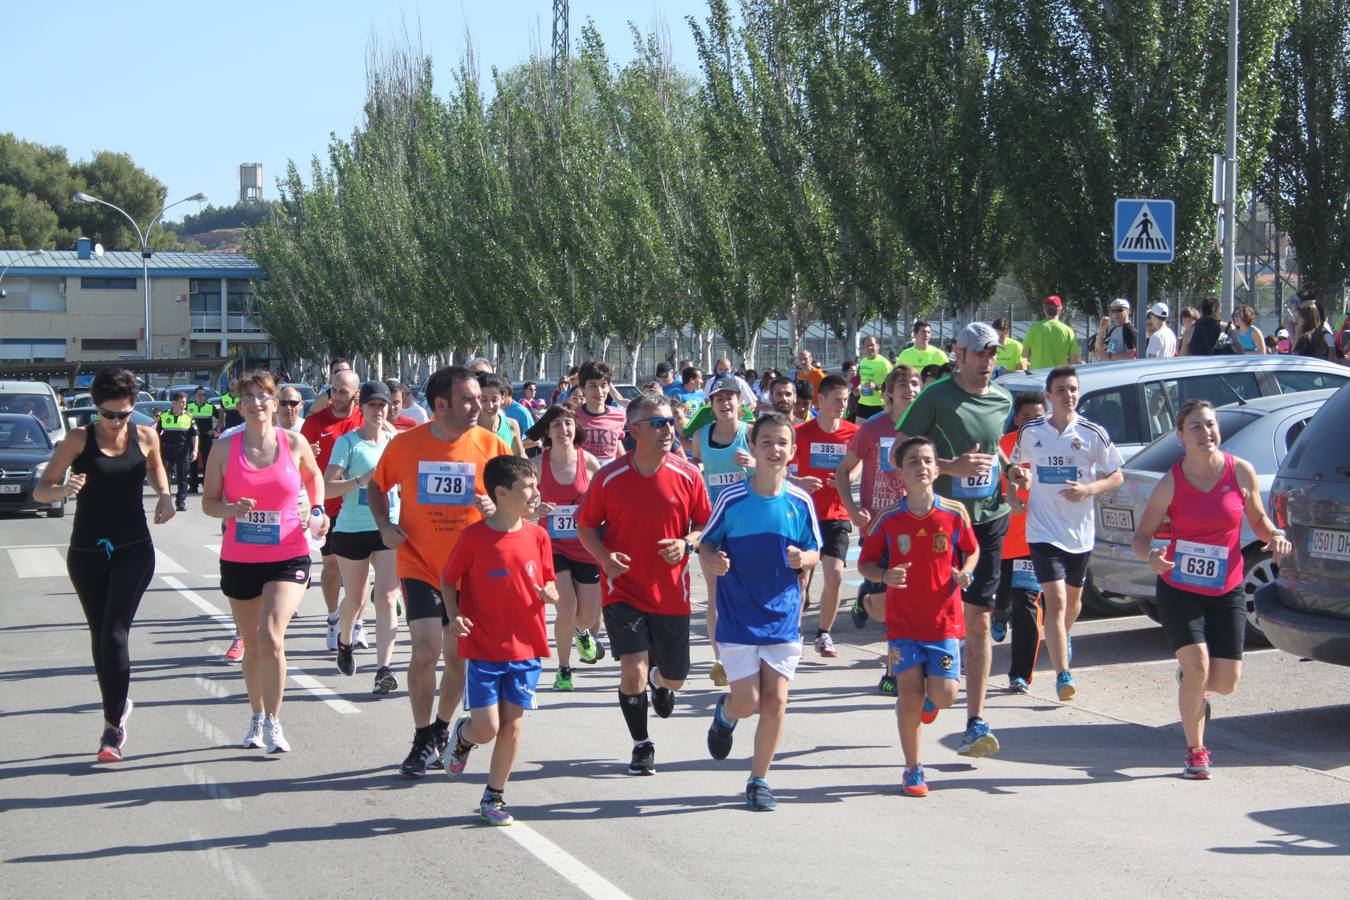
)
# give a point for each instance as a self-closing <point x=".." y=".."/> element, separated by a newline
<point x="445" y="483"/>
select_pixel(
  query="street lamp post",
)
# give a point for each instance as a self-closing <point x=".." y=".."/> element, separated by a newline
<point x="144" y="238"/>
<point x="30" y="254"/>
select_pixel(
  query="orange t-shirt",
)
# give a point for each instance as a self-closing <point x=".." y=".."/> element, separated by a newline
<point x="1015" y="542"/>
<point x="437" y="481"/>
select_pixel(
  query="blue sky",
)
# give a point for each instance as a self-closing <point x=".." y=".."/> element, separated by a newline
<point x="191" y="90"/>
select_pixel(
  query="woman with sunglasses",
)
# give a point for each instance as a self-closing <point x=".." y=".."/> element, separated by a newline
<point x="252" y="479"/>
<point x="111" y="558"/>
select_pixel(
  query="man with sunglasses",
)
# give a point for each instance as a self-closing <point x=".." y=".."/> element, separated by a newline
<point x="640" y="520"/>
<point x="289" y="406"/>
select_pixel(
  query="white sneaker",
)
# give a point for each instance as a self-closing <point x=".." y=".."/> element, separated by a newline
<point x="254" y="739"/>
<point x="359" y="635"/>
<point x="276" y="741"/>
<point x="332" y="632"/>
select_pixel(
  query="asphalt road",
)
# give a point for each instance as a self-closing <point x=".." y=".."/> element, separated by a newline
<point x="1085" y="797"/>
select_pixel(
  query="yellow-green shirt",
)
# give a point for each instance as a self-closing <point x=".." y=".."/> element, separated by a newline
<point x="916" y="359"/>
<point x="873" y="370"/>
<point x="1051" y="342"/>
<point x="1009" y="356"/>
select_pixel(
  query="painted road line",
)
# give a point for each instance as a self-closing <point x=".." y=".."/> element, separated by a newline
<point x="164" y="564"/>
<point x="315" y="687"/>
<point x="37" y="562"/>
<point x="201" y="603"/>
<point x="27" y="546"/>
<point x="573" y="870"/>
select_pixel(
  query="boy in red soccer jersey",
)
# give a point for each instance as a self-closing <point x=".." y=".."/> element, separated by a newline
<point x="495" y="585"/>
<point x="924" y="551"/>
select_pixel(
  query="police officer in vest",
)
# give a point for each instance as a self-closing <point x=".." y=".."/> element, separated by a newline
<point x="229" y="403"/>
<point x="204" y="417"/>
<point x="178" y="444"/>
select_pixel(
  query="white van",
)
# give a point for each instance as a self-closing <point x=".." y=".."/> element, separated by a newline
<point x="36" y="398"/>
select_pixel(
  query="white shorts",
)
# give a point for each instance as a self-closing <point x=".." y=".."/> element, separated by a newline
<point x="742" y="660"/>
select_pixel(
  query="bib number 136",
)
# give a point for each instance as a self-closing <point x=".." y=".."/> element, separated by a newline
<point x="445" y="483"/>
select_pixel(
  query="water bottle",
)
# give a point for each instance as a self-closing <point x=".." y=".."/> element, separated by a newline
<point x="315" y="526"/>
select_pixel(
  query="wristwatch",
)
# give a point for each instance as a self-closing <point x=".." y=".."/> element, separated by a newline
<point x="688" y="546"/>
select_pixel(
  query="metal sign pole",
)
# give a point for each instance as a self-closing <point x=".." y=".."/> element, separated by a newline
<point x="1141" y="301"/>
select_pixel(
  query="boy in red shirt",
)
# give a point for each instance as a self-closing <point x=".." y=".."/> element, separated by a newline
<point x="914" y="548"/>
<point x="822" y="444"/>
<point x="495" y="586"/>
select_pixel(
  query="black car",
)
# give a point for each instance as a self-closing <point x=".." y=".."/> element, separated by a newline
<point x="25" y="450"/>
<point x="1306" y="610"/>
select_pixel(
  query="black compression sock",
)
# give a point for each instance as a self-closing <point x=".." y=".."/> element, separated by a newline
<point x="634" y="708"/>
<point x="440" y="725"/>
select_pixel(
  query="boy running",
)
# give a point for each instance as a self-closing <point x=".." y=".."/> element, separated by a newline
<point x="1019" y="594"/>
<point x="600" y="426"/>
<point x="924" y="617"/>
<point x="495" y="585"/>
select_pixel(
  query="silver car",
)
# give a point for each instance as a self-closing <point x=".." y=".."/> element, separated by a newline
<point x="1260" y="431"/>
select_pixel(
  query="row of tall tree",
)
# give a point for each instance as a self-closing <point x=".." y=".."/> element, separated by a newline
<point x="833" y="160"/>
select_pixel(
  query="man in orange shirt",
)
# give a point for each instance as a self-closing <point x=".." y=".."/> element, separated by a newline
<point x="438" y="470"/>
<point x="808" y="371"/>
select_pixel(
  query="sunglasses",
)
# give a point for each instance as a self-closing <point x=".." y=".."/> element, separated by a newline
<point x="109" y="414"/>
<point x="660" y="422"/>
<point x="290" y="404"/>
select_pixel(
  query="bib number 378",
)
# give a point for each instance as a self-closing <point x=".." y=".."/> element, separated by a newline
<point x="445" y="483"/>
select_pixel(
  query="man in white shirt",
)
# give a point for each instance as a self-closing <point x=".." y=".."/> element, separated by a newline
<point x="1162" y="341"/>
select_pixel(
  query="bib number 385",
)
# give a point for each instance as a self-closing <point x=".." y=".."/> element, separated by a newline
<point x="445" y="483"/>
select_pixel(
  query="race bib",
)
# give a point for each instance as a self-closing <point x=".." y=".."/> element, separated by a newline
<point x="1056" y="470"/>
<point x="725" y="479"/>
<point x="973" y="487"/>
<point x="362" y="497"/>
<point x="445" y="483"/>
<point x="1024" y="576"/>
<point x="1200" y="565"/>
<point x="258" y="526"/>
<point x="867" y="390"/>
<point x="826" y="456"/>
<point x="885" y="463"/>
<point x="562" y="523"/>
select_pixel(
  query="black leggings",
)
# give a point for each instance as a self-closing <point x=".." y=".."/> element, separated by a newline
<point x="1020" y="607"/>
<point x="110" y="588"/>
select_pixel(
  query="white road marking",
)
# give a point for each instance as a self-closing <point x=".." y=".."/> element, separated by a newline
<point x="573" y="870"/>
<point x="227" y="865"/>
<point x="24" y="546"/>
<point x="164" y="564"/>
<point x="201" y="603"/>
<point x="37" y="562"/>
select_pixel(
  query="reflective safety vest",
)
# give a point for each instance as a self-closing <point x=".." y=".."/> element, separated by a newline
<point x="204" y="411"/>
<point x="169" y="422"/>
<point x="229" y="401"/>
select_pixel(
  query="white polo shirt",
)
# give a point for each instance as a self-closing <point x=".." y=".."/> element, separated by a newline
<point x="1162" y="344"/>
<point x="1082" y="452"/>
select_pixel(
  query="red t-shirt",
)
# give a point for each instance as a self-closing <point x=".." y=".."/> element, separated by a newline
<point x="403" y="422"/>
<point x="819" y="453"/>
<point x="324" y="428"/>
<point x="928" y="608"/>
<point x="497" y="573"/>
<point x="874" y="444"/>
<point x="601" y="434"/>
<point x="637" y="511"/>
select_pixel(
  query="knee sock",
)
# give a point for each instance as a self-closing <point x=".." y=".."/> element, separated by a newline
<point x="634" y="708"/>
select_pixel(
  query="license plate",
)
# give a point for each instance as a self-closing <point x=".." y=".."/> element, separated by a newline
<point x="1327" y="544"/>
<point x="11" y="489"/>
<point x="1119" y="519"/>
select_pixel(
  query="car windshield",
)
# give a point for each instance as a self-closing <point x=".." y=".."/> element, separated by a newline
<point x="22" y="434"/>
<point x="39" y="405"/>
<point x="1320" y="451"/>
<point x="1167" y="451"/>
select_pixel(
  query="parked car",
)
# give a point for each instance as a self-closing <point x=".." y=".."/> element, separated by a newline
<point x="166" y="393"/>
<point x="84" y="399"/>
<point x="25" y="450"/>
<point x="627" y="391"/>
<point x="1260" y="431"/>
<point x="1306" y="610"/>
<point x="34" y="398"/>
<point x="85" y="415"/>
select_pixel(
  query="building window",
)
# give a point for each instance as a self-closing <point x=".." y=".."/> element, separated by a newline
<point x="109" y="344"/>
<point x="108" y="284"/>
<point x="34" y="295"/>
<point x="32" y="349"/>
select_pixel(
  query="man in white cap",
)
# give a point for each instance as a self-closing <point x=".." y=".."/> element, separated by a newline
<point x="1162" y="340"/>
<point x="1116" y="337"/>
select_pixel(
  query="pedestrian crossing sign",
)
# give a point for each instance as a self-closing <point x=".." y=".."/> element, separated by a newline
<point x="1145" y="231"/>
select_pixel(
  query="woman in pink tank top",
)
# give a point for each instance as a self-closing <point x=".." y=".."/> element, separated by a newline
<point x="564" y="471"/>
<point x="1196" y="511"/>
<point x="252" y="479"/>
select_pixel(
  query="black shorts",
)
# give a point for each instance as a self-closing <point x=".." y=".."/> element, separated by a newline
<point x="869" y="587"/>
<point x="1220" y="623"/>
<point x="327" y="548"/>
<point x="834" y="537"/>
<point x="983" y="590"/>
<point x="1055" y="564"/>
<point x="665" y="639"/>
<point x="422" y="601"/>
<point x="581" y="572"/>
<point x="354" y="544"/>
<point x="245" y="580"/>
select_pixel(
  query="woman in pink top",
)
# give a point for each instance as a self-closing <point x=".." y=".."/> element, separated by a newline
<point x="1199" y="506"/>
<point x="252" y="479"/>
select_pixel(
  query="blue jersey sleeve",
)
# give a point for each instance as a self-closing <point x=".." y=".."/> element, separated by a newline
<point x="808" y="528"/>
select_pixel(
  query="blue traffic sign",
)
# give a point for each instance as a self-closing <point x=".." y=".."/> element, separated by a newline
<point x="1145" y="231"/>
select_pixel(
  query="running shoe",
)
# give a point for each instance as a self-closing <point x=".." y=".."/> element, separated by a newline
<point x="563" y="680"/>
<point x="458" y="758"/>
<point x="998" y="629"/>
<point x="272" y="734"/>
<point x="928" y="715"/>
<point x="599" y="647"/>
<point x="587" y="647"/>
<point x="644" y="759"/>
<point x="385" y="682"/>
<point x="758" y="797"/>
<point x="253" y="739"/>
<point x="913" y="784"/>
<point x="859" y="613"/>
<point x="1197" y="764"/>
<point x="718" y="674"/>
<point x="236" y="651"/>
<point x="110" y="745"/>
<point x="978" y="740"/>
<point x="720" y="732"/>
<point x="1064" y="685"/>
<point x="492" y="810"/>
<point x="422" y="755"/>
<point x="440" y="738"/>
<point x="346" y="661"/>
<point x="332" y="632"/>
<point x="663" y="699"/>
<point x="825" y="645"/>
<point x="887" y="685"/>
<point x="359" y="635"/>
<point x="1018" y="685"/>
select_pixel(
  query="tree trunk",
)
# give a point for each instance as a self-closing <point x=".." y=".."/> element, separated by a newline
<point x="751" y="351"/>
<point x="633" y="348"/>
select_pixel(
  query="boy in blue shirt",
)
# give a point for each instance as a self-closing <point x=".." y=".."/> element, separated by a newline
<point x="762" y="530"/>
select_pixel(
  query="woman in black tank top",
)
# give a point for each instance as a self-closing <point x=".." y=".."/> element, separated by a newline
<point x="111" y="558"/>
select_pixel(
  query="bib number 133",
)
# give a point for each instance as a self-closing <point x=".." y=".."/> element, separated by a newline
<point x="445" y="483"/>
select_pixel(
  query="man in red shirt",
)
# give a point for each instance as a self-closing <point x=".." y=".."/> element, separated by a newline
<point x="322" y="429"/>
<point x="822" y="445"/>
<point x="652" y="505"/>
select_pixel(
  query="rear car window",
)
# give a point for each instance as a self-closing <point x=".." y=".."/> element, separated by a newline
<point x="1291" y="382"/>
<point x="40" y="405"/>
<point x="1321" y="451"/>
<point x="1165" y="452"/>
<point x="1116" y="410"/>
<point x="1163" y="398"/>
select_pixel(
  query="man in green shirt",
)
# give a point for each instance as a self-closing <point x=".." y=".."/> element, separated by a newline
<point x="872" y="371"/>
<point x="1009" y="357"/>
<point x="963" y="416"/>
<point x="922" y="353"/>
<point x="1050" y="342"/>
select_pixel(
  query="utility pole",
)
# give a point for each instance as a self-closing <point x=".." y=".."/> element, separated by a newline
<point x="1230" y="163"/>
<point x="562" y="44"/>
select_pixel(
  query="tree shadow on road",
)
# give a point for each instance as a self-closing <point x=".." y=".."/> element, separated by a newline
<point x="1302" y="831"/>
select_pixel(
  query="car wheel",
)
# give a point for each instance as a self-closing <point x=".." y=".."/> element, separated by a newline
<point x="1105" y="604"/>
<point x="57" y="512"/>
<point x="1259" y="571"/>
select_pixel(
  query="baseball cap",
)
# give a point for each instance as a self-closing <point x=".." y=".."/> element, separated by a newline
<point x="1158" y="309"/>
<point x="375" y="390"/>
<point x="1120" y="303"/>
<point x="1053" y="300"/>
<point x="977" y="336"/>
<point x="1282" y="333"/>
<point x="724" y="382"/>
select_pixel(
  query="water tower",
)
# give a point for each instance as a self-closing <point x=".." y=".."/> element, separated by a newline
<point x="250" y="182"/>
